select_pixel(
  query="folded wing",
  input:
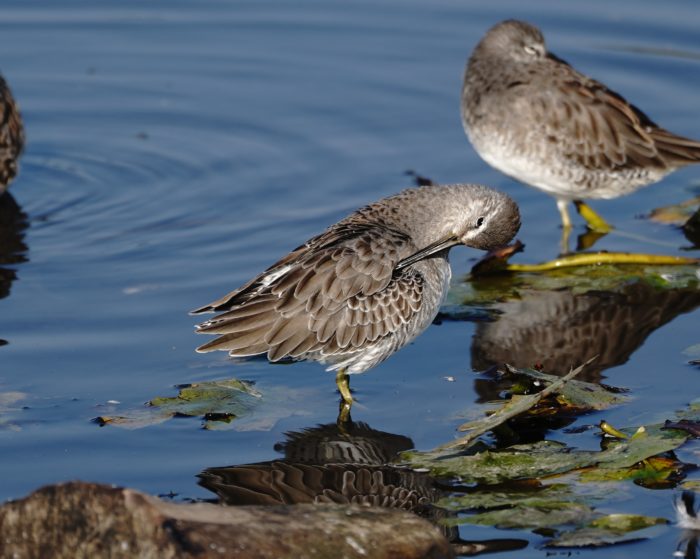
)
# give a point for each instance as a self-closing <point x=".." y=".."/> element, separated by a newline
<point x="334" y="295"/>
<point x="598" y="129"/>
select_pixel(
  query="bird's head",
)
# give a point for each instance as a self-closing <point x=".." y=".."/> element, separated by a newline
<point x="514" y="40"/>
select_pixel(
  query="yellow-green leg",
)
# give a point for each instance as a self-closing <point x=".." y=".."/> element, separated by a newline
<point x="565" y="224"/>
<point x="563" y="210"/>
<point x="342" y="381"/>
<point x="594" y="221"/>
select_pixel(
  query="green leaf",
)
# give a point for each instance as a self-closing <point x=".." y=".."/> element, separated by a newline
<point x="510" y="495"/>
<point x="608" y="530"/>
<point x="623" y="523"/>
<point x="590" y="537"/>
<point x="655" y="472"/>
<point x="217" y="402"/>
<point x="512" y="408"/>
<point x="676" y="214"/>
<point x="545" y="458"/>
<point x="222" y="404"/>
<point x="534" y="515"/>
<point x="644" y="443"/>
<point x="578" y="394"/>
<point x="517" y="462"/>
<point x="223" y="397"/>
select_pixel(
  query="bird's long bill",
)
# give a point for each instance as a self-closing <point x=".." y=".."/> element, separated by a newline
<point x="431" y="249"/>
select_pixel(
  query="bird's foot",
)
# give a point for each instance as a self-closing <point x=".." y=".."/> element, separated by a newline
<point x="593" y="220"/>
<point x="342" y="381"/>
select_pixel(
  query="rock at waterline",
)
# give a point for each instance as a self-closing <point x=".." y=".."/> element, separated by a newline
<point x="78" y="519"/>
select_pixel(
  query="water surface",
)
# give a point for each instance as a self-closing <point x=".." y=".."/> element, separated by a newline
<point x="175" y="149"/>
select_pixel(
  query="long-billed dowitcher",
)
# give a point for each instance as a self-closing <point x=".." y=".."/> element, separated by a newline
<point x="11" y="136"/>
<point x="358" y="292"/>
<point x="533" y="117"/>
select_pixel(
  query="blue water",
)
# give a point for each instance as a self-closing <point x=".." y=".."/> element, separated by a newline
<point x="176" y="148"/>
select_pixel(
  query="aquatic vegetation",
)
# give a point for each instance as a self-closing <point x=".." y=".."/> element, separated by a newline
<point x="550" y="487"/>
<point x="215" y="401"/>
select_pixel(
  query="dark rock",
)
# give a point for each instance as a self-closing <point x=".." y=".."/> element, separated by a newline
<point x="80" y="519"/>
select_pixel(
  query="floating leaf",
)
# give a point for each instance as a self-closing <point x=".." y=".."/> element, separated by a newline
<point x="224" y="404"/>
<point x="219" y="396"/>
<point x="591" y="537"/>
<point x="506" y="491"/>
<point x="650" y="441"/>
<point x="133" y="419"/>
<point x="623" y="523"/>
<point x="655" y="472"/>
<point x="608" y="530"/>
<point x="528" y="461"/>
<point x="534" y="515"/>
<point x="675" y="214"/>
<point x="690" y="427"/>
<point x="545" y="458"/>
<point x="576" y="394"/>
<point x="512" y="408"/>
<point x="518" y="493"/>
<point x="691" y="413"/>
<point x="215" y="401"/>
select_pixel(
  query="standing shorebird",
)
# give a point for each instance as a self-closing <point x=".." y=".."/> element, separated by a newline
<point x="535" y="118"/>
<point x="353" y="295"/>
<point x="11" y="136"/>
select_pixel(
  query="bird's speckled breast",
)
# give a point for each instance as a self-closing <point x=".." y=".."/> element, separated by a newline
<point x="437" y="274"/>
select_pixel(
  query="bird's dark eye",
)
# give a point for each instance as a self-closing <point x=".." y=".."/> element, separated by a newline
<point x="480" y="222"/>
<point x="530" y="49"/>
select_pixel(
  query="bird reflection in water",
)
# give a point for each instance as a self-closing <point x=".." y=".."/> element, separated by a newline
<point x="557" y="329"/>
<point x="687" y="518"/>
<point x="13" y="221"/>
<point x="13" y="249"/>
<point x="554" y="329"/>
<point x="344" y="463"/>
<point x="11" y="136"/>
<point x="691" y="229"/>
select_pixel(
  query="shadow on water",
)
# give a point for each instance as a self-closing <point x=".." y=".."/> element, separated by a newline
<point x="188" y="147"/>
<point x="345" y="463"/>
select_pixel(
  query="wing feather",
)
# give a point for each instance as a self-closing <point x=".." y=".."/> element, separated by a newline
<point x="597" y="128"/>
<point x="332" y="296"/>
